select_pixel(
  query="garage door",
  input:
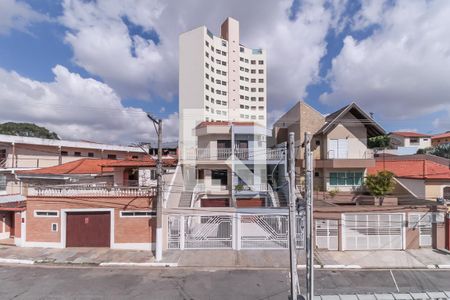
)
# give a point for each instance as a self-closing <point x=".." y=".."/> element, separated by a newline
<point x="88" y="229"/>
<point x="373" y="231"/>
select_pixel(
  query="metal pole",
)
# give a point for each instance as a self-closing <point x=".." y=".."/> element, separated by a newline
<point x="292" y="220"/>
<point x="159" y="204"/>
<point x="309" y="219"/>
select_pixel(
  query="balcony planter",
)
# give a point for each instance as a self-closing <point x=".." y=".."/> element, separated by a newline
<point x="239" y="187"/>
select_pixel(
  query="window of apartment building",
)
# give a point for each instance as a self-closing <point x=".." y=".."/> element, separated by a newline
<point x="46" y="213"/>
<point x="241" y="96"/>
<point x="253" y="80"/>
<point x="212" y="79"/>
<point x="246" y="98"/>
<point x="212" y="68"/>
<point x="224" y="82"/>
<point x="241" y="49"/>
<point x="253" y="71"/>
<point x="261" y="62"/>
<point x="224" y="73"/>
<point x="253" y="108"/>
<point x="206" y="86"/>
<point x="261" y="99"/>
<point x="90" y="154"/>
<point x="219" y="112"/>
<point x="246" y="70"/>
<point x="224" y="93"/>
<point x="207" y="97"/>
<point x="242" y="116"/>
<point x="241" y="78"/>
<point x="261" y="71"/>
<point x="261" y="107"/>
<point x="218" y="101"/>
<point x="218" y="71"/>
<point x="111" y="156"/>
<point x="261" y="117"/>
<point x="207" y="65"/>
<point x="224" y="63"/>
<point x="137" y="214"/>
<point x="76" y="153"/>
<point x="219" y="92"/>
<point x="246" y="116"/>
<point x="218" y="81"/>
<point x="2" y="182"/>
<point x="253" y="89"/>
<point x="212" y="59"/>
<point x="241" y="87"/>
<point x="242" y="106"/>
<point x="253" y="117"/>
<point x="212" y="110"/>
<point x="260" y="80"/>
<point x="246" y="79"/>
<point x="206" y="43"/>
<point x="261" y="90"/>
<point x="224" y="53"/>
<point x="253" y="99"/>
<point x="253" y="62"/>
<point x="206" y="54"/>
<point x="212" y="90"/>
<point x="212" y="48"/>
<point x="346" y="178"/>
<point x="64" y="153"/>
<point x="241" y="59"/>
<point x="224" y="112"/>
<point x="224" y="43"/>
<point x="207" y="108"/>
<point x="242" y="69"/>
<point x="247" y="107"/>
<point x="218" y="51"/>
<point x="207" y="75"/>
<point x="246" y="60"/>
<point x="224" y="102"/>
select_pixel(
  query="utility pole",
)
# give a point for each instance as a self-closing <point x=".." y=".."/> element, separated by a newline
<point x="309" y="218"/>
<point x="159" y="196"/>
<point x="295" y="290"/>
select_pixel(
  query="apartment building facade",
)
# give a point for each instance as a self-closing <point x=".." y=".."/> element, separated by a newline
<point x="219" y="80"/>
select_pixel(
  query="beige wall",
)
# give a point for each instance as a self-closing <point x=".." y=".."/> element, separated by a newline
<point x="435" y="189"/>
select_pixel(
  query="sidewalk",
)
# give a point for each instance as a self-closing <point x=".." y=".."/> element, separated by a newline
<point x="410" y="259"/>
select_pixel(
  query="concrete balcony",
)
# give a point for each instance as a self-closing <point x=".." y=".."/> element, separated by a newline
<point x="363" y="159"/>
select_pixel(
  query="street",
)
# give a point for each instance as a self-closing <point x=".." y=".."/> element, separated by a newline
<point x="58" y="282"/>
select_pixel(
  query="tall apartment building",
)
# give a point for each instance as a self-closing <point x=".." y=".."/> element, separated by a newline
<point x="219" y="80"/>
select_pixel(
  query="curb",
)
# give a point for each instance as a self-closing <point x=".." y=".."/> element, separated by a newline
<point x="16" y="261"/>
<point x="126" y="264"/>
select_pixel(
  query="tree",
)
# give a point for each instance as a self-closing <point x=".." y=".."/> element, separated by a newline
<point x="381" y="141"/>
<point x="27" y="129"/>
<point x="441" y="150"/>
<point x="380" y="185"/>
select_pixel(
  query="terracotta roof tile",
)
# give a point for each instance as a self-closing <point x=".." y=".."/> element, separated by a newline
<point x="416" y="169"/>
<point x="441" y="135"/>
<point x="410" y="134"/>
<point x="81" y="166"/>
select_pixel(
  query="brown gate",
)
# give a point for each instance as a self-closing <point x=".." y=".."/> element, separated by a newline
<point x="88" y="229"/>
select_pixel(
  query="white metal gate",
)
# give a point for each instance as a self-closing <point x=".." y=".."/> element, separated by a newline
<point x="237" y="231"/>
<point x="327" y="234"/>
<point x="422" y="222"/>
<point x="372" y="231"/>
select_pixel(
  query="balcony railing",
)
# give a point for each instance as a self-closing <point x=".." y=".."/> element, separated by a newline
<point x="242" y="154"/>
<point x="96" y="191"/>
<point x="366" y="154"/>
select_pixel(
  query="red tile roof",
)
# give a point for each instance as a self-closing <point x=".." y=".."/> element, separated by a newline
<point x="410" y="134"/>
<point x="415" y="169"/>
<point x="441" y="135"/>
<point x="81" y="166"/>
<point x="167" y="162"/>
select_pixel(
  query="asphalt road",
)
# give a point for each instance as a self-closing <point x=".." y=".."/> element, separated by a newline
<point x="49" y="282"/>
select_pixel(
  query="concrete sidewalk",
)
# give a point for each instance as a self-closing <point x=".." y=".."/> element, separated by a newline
<point x="386" y="259"/>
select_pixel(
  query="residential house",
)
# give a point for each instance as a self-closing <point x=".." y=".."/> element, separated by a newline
<point x="440" y="139"/>
<point x="408" y="142"/>
<point x="85" y="203"/>
<point x="21" y="153"/>
<point x="421" y="176"/>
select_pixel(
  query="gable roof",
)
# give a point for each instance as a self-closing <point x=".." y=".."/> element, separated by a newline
<point x="412" y="168"/>
<point x="373" y="128"/>
<point x="410" y="134"/>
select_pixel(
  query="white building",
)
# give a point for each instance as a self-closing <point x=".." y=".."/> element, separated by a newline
<point x="408" y="142"/>
<point x="219" y="80"/>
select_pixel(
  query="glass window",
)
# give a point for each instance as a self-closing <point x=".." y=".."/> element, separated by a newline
<point x="333" y="178"/>
<point x="342" y="178"/>
<point x="2" y="182"/>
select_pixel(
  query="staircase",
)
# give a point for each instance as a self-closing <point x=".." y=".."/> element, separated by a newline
<point x="282" y="200"/>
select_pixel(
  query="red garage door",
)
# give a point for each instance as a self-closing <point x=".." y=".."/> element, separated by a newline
<point x="88" y="229"/>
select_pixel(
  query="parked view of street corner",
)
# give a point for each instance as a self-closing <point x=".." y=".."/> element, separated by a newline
<point x="224" y="149"/>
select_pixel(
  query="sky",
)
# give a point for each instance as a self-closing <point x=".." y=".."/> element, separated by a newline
<point x="90" y="70"/>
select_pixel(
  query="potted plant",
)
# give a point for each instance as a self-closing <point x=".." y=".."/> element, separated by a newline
<point x="239" y="187"/>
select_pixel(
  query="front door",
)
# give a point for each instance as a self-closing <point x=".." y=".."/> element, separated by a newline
<point x="88" y="229"/>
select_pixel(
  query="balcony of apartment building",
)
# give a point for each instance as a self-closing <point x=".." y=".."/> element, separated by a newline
<point x="345" y="153"/>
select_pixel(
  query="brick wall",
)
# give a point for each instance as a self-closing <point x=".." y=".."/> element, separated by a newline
<point x="127" y="229"/>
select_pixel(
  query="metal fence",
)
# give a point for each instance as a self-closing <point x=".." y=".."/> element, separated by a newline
<point x="232" y="231"/>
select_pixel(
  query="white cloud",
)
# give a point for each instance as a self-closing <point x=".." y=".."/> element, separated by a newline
<point x="76" y="108"/>
<point x="402" y="70"/>
<point x="103" y="45"/>
<point x="17" y="15"/>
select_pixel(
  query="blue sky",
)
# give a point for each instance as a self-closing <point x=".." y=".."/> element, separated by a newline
<point x="116" y="61"/>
